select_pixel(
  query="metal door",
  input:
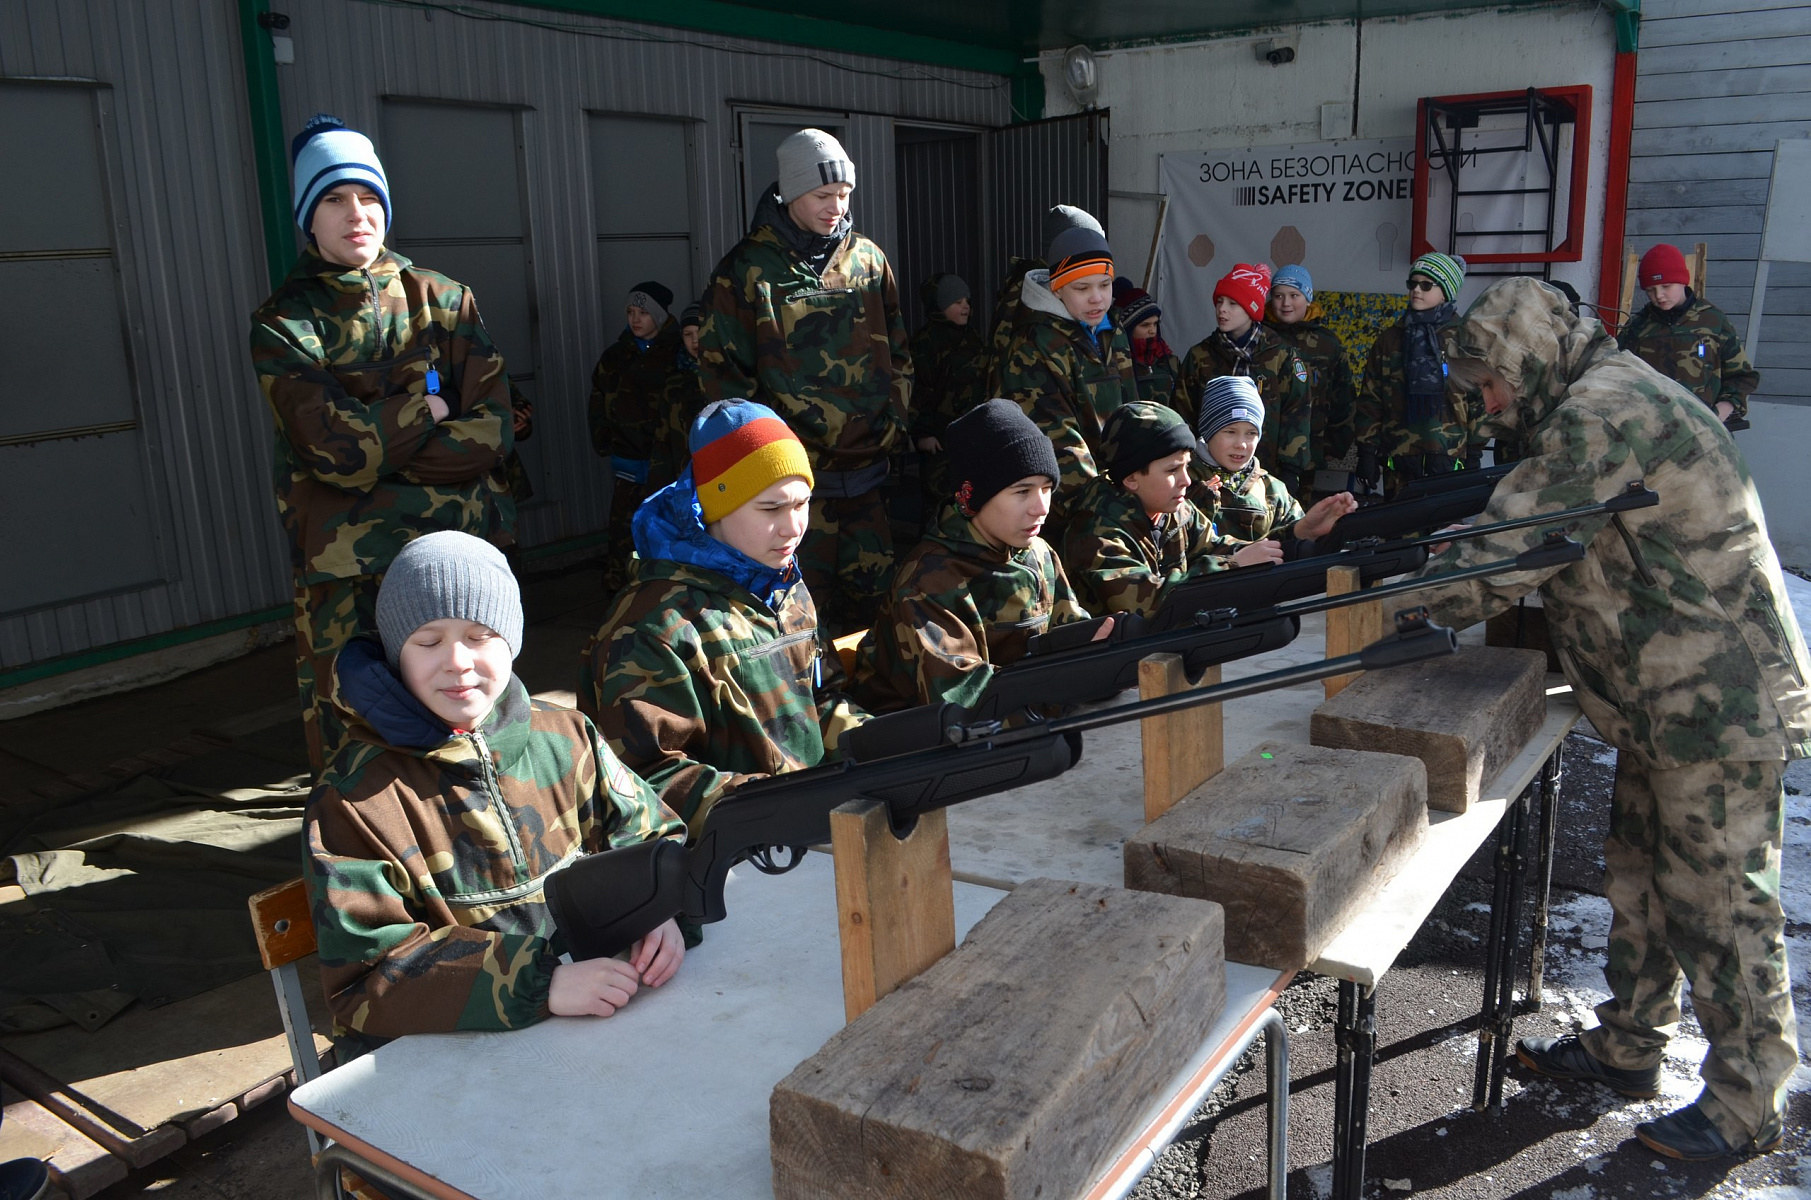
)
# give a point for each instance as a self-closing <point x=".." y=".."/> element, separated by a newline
<point x="1062" y="160"/>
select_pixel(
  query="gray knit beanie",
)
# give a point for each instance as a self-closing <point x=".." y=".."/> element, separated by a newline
<point x="1066" y="216"/>
<point x="448" y="574"/>
<point x="948" y="290"/>
<point x="809" y="159"/>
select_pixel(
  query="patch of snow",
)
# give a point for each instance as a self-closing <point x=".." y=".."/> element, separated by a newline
<point x="1320" y="1180"/>
<point x="1582" y="1192"/>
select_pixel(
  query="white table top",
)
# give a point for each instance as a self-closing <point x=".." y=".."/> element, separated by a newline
<point x="669" y="1097"/>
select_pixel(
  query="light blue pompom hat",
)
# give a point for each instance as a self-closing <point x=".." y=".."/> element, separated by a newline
<point x="327" y="154"/>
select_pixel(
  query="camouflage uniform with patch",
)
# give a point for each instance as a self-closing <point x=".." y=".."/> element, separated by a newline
<point x="346" y="359"/>
<point x="1245" y="507"/>
<point x="700" y="686"/>
<point x="1696" y="345"/>
<point x="1380" y="422"/>
<point x="629" y="418"/>
<point x="959" y="608"/>
<point x="949" y="362"/>
<point x="1068" y="380"/>
<point x="829" y="353"/>
<point x="1119" y="561"/>
<point x="1287" y="439"/>
<point x="1331" y="393"/>
<point x="1680" y="644"/>
<point x="427" y="853"/>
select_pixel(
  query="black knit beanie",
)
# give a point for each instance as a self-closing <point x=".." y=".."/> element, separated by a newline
<point x="1138" y="434"/>
<point x="991" y="447"/>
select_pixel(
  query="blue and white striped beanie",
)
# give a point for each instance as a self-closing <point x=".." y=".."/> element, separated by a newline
<point x="1294" y="275"/>
<point x="327" y="154"/>
<point x="1225" y="400"/>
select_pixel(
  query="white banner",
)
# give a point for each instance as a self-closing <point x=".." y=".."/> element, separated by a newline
<point x="1341" y="209"/>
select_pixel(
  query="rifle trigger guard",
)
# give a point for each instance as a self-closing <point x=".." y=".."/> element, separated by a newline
<point x="764" y="860"/>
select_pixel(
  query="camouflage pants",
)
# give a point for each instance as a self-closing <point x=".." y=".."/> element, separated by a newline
<point x="847" y="559"/>
<point x="625" y="497"/>
<point x="1692" y="872"/>
<point x="328" y="615"/>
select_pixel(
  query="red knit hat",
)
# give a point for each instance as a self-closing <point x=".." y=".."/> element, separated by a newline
<point x="1248" y="286"/>
<point x="1664" y="264"/>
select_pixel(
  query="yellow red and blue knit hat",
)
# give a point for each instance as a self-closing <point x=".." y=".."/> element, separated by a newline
<point x="739" y="450"/>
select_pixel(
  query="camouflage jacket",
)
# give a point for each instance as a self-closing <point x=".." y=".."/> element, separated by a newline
<point x="949" y="363"/>
<point x="829" y="353"/>
<point x="345" y="358"/>
<point x="1282" y="379"/>
<point x="1119" y="561"/>
<point x="1330" y="388"/>
<point x="699" y="684"/>
<point x="1675" y="631"/>
<point x="427" y="852"/>
<point x="684" y="401"/>
<point x="1696" y="345"/>
<point x="958" y="608"/>
<point x="630" y="393"/>
<point x="1161" y="383"/>
<point x="1066" y="379"/>
<point x="1245" y="508"/>
<point x="1380" y="422"/>
<point x="1007" y="308"/>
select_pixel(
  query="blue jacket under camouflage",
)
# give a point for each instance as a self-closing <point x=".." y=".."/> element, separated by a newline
<point x="346" y="359"/>
<point x="427" y="852"/>
<point x="828" y="353"/>
<point x="959" y="607"/>
<point x="632" y="410"/>
<point x="1694" y="344"/>
<point x="702" y="678"/>
<point x="1675" y="631"/>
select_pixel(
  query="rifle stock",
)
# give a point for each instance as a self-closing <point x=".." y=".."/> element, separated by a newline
<point x="1420" y="506"/>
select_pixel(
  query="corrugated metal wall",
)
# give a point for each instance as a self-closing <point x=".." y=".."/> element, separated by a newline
<point x="1718" y="82"/>
<point x="937" y="172"/>
<point x="190" y="270"/>
<point x="191" y="255"/>
<point x="1062" y="160"/>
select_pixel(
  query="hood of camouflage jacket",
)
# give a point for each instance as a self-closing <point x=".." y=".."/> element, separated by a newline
<point x="670" y="525"/>
<point x="816" y="249"/>
<point x="1527" y="332"/>
<point x="369" y="693"/>
<point x="957" y="534"/>
<point x="309" y="265"/>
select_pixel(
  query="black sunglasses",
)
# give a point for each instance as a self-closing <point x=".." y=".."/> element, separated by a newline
<point x="1421" y="285"/>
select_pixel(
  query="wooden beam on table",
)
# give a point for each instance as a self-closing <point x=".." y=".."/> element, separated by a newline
<point x="1350" y="629"/>
<point x="1182" y="750"/>
<point x="895" y="901"/>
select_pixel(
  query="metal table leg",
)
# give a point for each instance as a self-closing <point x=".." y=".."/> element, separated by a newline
<point x="1276" y="1112"/>
<point x="1355" y="1037"/>
<point x="1537" y="955"/>
<point x="1496" y="1019"/>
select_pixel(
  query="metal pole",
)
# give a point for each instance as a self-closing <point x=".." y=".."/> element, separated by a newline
<point x="1276" y="1113"/>
<point x="1355" y="1036"/>
<point x="1549" y="830"/>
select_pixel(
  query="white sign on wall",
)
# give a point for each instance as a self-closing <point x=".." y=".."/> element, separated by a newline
<point x="1341" y="209"/>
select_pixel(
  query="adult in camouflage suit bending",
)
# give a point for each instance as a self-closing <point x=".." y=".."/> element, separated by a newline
<point x="1677" y="638"/>
<point x="392" y="409"/>
<point x="1687" y="338"/>
<point x="709" y="670"/>
<point x="803" y="316"/>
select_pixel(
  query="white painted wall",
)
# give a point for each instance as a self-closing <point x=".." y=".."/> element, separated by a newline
<point x="1220" y="94"/>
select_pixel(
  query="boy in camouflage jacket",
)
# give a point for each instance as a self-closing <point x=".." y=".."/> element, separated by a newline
<point x="1293" y="316"/>
<point x="969" y="596"/>
<point x="430" y="837"/>
<point x="1678" y="638"/>
<point x="949" y="363"/>
<point x="1255" y="519"/>
<point x="1068" y="366"/>
<point x="1242" y="345"/>
<point x="709" y="669"/>
<point x="1136" y="534"/>
<point x="1688" y="339"/>
<point x="390" y="403"/>
<point x="803" y="316"/>
<point x="1154" y="365"/>
<point x="631" y="390"/>
<point x="1413" y="419"/>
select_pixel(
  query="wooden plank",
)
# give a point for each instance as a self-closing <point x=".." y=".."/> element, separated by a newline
<point x="1668" y="139"/>
<point x="895" y="900"/>
<point x="1016" y="1066"/>
<point x="1669" y="224"/>
<point x="1291" y="840"/>
<point x="1741" y="53"/>
<point x="1349" y="630"/>
<point x="1687" y="9"/>
<point x="1465" y="716"/>
<point x="1724" y="110"/>
<point x="282" y="923"/>
<point x="1696" y="31"/>
<point x="78" y="1164"/>
<point x="136" y="1145"/>
<point x="1181" y="750"/>
<point x="1748" y="164"/>
<point x="1737" y="81"/>
<point x="1697" y="193"/>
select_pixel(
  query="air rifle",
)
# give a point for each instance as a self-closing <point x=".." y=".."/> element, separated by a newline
<point x="603" y="903"/>
<point x="1421" y="506"/>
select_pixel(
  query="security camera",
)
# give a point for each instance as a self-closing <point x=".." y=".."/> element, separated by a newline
<point x="1277" y="51"/>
